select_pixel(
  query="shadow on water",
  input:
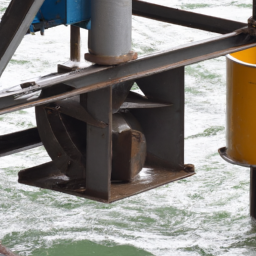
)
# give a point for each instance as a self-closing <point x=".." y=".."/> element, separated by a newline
<point x="88" y="248"/>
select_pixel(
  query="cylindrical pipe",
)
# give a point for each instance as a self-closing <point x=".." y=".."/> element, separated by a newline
<point x="110" y="35"/>
<point x="74" y="43"/>
<point x="241" y="107"/>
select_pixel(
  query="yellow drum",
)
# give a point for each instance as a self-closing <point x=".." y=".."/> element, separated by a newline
<point x="241" y="106"/>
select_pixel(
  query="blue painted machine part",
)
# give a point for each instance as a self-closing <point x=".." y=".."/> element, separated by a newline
<point x="62" y="12"/>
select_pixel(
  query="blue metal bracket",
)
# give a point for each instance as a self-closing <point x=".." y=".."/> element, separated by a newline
<point x="62" y="12"/>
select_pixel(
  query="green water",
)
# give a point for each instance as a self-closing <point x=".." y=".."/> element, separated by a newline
<point x="81" y="248"/>
<point x="207" y="214"/>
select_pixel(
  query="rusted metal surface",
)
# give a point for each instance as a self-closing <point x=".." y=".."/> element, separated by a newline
<point x="149" y="178"/>
<point x="95" y="77"/>
<point x="38" y="174"/>
<point x="110" y="60"/>
<point x="129" y="147"/>
<point x="48" y="177"/>
<point x="109" y="163"/>
<point x="75" y="46"/>
<point x="19" y="141"/>
<point x="184" y="18"/>
<point x="73" y="108"/>
<point x="135" y="100"/>
<point x="6" y="252"/>
<point x="75" y="52"/>
<point x="63" y="139"/>
<point x="67" y="67"/>
<point x="27" y="85"/>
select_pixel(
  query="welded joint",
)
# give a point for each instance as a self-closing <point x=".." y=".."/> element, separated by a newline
<point x="252" y="26"/>
<point x="110" y="60"/>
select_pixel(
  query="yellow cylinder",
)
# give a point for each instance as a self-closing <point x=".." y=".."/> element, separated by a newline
<point x="241" y="106"/>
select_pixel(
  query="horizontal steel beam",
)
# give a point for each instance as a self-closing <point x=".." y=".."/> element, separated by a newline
<point x="19" y="141"/>
<point x="184" y="18"/>
<point x="97" y="77"/>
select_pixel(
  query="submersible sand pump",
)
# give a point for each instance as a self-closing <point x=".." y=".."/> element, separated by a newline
<point x="105" y="141"/>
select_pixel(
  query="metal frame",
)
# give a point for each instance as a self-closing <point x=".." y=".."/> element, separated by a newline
<point x="96" y="77"/>
<point x="160" y="76"/>
<point x="185" y="18"/>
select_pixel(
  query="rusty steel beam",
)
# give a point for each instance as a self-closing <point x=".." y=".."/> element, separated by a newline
<point x="97" y="77"/>
<point x="75" y="43"/>
<point x="185" y="18"/>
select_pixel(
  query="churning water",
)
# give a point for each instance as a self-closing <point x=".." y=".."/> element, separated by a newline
<point x="207" y="214"/>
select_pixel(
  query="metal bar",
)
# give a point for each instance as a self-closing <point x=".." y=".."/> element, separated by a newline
<point x="19" y="141"/>
<point x="254" y="9"/>
<point x="99" y="144"/>
<point x="253" y="193"/>
<point x="75" y="43"/>
<point x="14" y="25"/>
<point x="96" y="77"/>
<point x="184" y="18"/>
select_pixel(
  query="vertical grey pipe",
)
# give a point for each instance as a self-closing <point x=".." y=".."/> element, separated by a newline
<point x="110" y="35"/>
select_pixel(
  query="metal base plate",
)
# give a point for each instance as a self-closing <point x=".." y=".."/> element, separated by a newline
<point x="46" y="176"/>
